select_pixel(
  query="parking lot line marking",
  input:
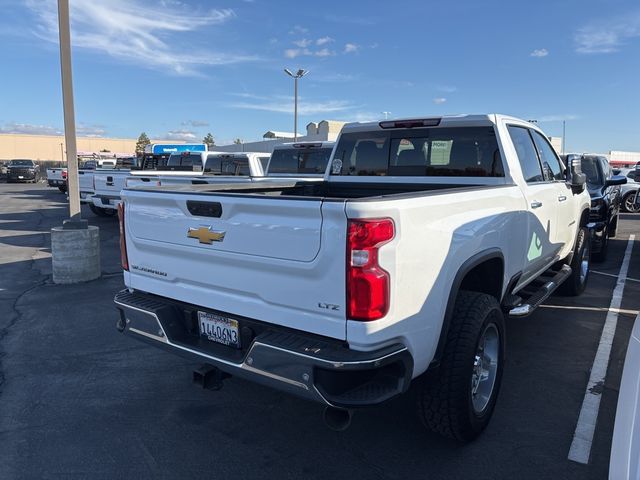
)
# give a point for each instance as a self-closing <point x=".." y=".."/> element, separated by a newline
<point x="594" y="309"/>
<point x="629" y="279"/>
<point x="580" y="450"/>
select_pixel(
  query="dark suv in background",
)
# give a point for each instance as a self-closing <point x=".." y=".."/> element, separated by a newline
<point x="22" y="171"/>
<point x="604" y="188"/>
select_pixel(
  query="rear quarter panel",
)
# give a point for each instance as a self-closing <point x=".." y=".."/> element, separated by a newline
<point x="435" y="235"/>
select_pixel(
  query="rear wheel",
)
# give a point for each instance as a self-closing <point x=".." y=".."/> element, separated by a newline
<point x="101" y="212"/>
<point x="580" y="266"/>
<point x="601" y="254"/>
<point x="628" y="203"/>
<point x="62" y="189"/>
<point x="457" y="399"/>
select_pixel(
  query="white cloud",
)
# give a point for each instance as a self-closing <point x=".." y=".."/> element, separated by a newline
<point x="607" y="36"/>
<point x="195" y="123"/>
<point x="439" y="100"/>
<point x="323" y="40"/>
<point x="448" y="88"/>
<point x="325" y="52"/>
<point x="282" y="104"/>
<point x="90" y="130"/>
<point x="185" y="135"/>
<point x="297" y="30"/>
<point x="351" y="48"/>
<point x="334" y="77"/>
<point x="303" y="43"/>
<point x="556" y="118"/>
<point x="539" y="52"/>
<point x="30" y="129"/>
<point x="138" y="31"/>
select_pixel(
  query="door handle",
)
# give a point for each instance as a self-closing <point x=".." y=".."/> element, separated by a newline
<point x="536" y="204"/>
<point x="562" y="198"/>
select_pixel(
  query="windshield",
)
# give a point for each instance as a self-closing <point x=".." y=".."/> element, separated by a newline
<point x="468" y="152"/>
<point x="185" y="160"/>
<point x="299" y="160"/>
<point x="21" y="163"/>
<point x="591" y="169"/>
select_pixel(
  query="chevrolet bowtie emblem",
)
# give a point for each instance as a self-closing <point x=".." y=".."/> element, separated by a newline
<point x="205" y="235"/>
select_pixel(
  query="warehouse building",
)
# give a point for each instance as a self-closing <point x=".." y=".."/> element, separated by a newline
<point x="52" y="147"/>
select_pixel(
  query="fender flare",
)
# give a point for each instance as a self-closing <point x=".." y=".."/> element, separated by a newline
<point x="466" y="267"/>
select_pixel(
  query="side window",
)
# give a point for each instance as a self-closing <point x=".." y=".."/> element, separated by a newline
<point x="551" y="165"/>
<point x="526" y="154"/>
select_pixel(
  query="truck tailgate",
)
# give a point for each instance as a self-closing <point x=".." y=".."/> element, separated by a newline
<point x="280" y="260"/>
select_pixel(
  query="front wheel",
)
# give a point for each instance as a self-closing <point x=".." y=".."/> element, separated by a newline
<point x="580" y="266"/>
<point x="458" y="399"/>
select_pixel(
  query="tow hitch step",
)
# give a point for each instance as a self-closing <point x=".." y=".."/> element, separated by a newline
<point x="533" y="298"/>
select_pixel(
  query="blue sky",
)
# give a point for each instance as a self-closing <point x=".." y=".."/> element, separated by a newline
<point x="179" y="69"/>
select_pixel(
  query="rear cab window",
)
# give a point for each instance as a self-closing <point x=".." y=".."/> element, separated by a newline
<point x="429" y="152"/>
<point x="302" y="160"/>
<point x="185" y="160"/>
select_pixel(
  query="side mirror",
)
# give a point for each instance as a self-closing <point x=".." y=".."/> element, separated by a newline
<point x="576" y="179"/>
<point x="616" y="180"/>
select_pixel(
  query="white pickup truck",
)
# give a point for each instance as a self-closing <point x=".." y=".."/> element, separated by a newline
<point x="57" y="177"/>
<point x="399" y="266"/>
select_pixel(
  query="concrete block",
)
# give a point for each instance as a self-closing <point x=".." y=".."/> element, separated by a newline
<point x="75" y="254"/>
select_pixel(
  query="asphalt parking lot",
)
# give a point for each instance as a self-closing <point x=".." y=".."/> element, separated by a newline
<point x="79" y="400"/>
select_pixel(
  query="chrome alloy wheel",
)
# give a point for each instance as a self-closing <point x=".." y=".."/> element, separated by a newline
<point x="485" y="367"/>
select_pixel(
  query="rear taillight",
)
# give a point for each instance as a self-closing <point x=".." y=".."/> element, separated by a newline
<point x="123" y="243"/>
<point x="64" y="175"/>
<point x="367" y="282"/>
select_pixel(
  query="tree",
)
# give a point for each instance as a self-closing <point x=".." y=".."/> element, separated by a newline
<point x="142" y="142"/>
<point x="208" y="140"/>
<point x="104" y="150"/>
<point x="237" y="141"/>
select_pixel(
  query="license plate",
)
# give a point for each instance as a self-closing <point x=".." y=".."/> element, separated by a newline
<point x="219" y="329"/>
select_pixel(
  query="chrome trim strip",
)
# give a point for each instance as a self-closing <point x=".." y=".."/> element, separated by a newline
<point x="149" y="335"/>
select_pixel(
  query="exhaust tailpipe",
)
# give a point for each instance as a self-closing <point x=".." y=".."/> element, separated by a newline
<point x="337" y="419"/>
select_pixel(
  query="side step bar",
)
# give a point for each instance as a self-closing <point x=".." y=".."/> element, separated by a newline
<point x="537" y="297"/>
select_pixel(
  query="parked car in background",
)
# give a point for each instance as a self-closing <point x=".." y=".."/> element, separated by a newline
<point x="399" y="262"/>
<point x="20" y="170"/>
<point x="3" y="168"/>
<point x="57" y="177"/>
<point x="630" y="189"/>
<point x="606" y="199"/>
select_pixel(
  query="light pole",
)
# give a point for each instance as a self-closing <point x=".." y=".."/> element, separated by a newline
<point x="62" y="152"/>
<point x="564" y="134"/>
<point x="299" y="74"/>
<point x="386" y="115"/>
<point x="69" y="116"/>
<point x="75" y="246"/>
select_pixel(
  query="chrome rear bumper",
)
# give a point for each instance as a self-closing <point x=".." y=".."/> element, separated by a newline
<point x="319" y="369"/>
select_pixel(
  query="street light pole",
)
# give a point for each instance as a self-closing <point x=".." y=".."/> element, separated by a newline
<point x="564" y="134"/>
<point x="296" y="76"/>
<point x="69" y="116"/>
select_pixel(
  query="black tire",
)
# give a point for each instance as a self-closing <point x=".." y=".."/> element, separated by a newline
<point x="577" y="281"/>
<point x="101" y="212"/>
<point x="62" y="189"/>
<point x="445" y="398"/>
<point x="613" y="226"/>
<point x="601" y="255"/>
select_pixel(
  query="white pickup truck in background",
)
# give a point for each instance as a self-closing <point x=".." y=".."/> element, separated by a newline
<point x="198" y="167"/>
<point x="399" y="266"/>
<point x="57" y="177"/>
